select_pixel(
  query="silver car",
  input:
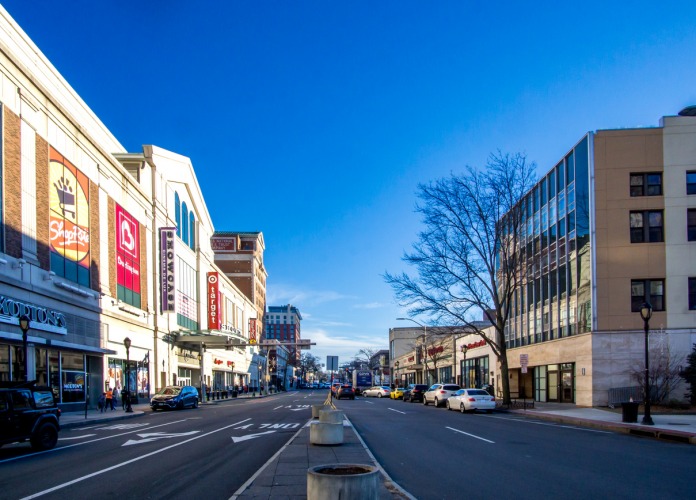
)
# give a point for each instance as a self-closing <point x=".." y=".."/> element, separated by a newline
<point x="466" y="400"/>
<point x="438" y="394"/>
<point x="378" y="391"/>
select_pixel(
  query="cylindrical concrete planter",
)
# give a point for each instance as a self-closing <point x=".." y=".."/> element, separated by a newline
<point x="342" y="481"/>
<point x="331" y="416"/>
<point x="316" y="409"/>
<point x="326" y="433"/>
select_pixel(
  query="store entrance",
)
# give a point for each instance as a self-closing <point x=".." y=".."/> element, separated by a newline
<point x="560" y="383"/>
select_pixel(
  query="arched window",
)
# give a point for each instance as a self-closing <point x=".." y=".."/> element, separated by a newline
<point x="177" y="214"/>
<point x="192" y="231"/>
<point x="184" y="223"/>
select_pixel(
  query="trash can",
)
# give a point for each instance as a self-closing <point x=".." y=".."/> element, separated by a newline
<point x="629" y="412"/>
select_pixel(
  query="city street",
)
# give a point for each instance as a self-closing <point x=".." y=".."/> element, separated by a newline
<point x="430" y="452"/>
<point x="210" y="451"/>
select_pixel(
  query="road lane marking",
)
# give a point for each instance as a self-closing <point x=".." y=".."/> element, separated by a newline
<point x="278" y="407"/>
<point x="154" y="436"/>
<point x="52" y="450"/>
<point x="369" y="402"/>
<point x="127" y="462"/>
<point x="470" y="435"/>
<point x="397" y="411"/>
<point x="76" y="437"/>
<point x="250" y="436"/>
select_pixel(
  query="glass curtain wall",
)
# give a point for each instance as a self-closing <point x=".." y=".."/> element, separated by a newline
<point x="555" y="300"/>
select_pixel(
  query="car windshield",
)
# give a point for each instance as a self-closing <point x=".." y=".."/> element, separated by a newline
<point x="385" y="387"/>
<point x="170" y="391"/>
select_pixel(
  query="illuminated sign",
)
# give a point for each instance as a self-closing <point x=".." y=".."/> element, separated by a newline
<point x="167" y="269"/>
<point x="127" y="250"/>
<point x="213" y="301"/>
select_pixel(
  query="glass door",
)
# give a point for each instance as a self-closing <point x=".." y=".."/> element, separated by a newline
<point x="567" y="395"/>
<point x="553" y="386"/>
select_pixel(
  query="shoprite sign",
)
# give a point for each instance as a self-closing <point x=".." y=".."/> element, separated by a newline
<point x="41" y="318"/>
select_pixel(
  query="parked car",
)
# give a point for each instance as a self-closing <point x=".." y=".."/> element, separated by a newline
<point x="414" y="392"/>
<point x="345" y="391"/>
<point x="378" y="391"/>
<point x="470" y="400"/>
<point x="438" y="393"/>
<point x="397" y="393"/>
<point x="174" y="397"/>
<point x="28" y="413"/>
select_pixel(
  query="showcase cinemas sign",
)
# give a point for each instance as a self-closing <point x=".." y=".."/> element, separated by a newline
<point x="167" y="269"/>
<point x="41" y="318"/>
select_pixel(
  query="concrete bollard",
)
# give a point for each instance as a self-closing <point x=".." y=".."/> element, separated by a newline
<point x="331" y="416"/>
<point x="344" y="481"/>
<point x="316" y="409"/>
<point x="325" y="433"/>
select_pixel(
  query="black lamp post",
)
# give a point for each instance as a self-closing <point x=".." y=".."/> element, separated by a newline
<point x="463" y="380"/>
<point x="396" y="365"/>
<point x="127" y="343"/>
<point x="646" y="314"/>
<point x="24" y="323"/>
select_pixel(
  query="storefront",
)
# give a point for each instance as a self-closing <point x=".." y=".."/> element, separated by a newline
<point x="474" y="372"/>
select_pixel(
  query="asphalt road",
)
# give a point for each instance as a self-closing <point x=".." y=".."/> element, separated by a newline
<point x="206" y="452"/>
<point x="434" y="453"/>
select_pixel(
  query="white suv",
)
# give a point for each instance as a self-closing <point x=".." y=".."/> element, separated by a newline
<point x="438" y="393"/>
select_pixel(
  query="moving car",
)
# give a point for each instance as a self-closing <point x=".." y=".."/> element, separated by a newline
<point x="397" y="393"/>
<point x="470" y="400"/>
<point x="345" y="391"/>
<point x="378" y="391"/>
<point x="414" y="392"/>
<point x="438" y="394"/>
<point x="174" y="397"/>
<point x="28" y="413"/>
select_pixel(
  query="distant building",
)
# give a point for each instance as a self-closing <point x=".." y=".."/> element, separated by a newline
<point x="240" y="256"/>
<point x="283" y="324"/>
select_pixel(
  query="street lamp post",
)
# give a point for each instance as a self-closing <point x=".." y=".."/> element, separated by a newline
<point x="425" y="336"/>
<point x="396" y="365"/>
<point x="463" y="375"/>
<point x="24" y="324"/>
<point x="127" y="344"/>
<point x="646" y="314"/>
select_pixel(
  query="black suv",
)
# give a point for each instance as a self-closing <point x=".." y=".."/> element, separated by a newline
<point x="414" y="392"/>
<point x="28" y="412"/>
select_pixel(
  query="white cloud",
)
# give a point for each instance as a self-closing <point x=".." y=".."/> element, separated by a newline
<point x="371" y="305"/>
<point x="280" y="294"/>
<point x="343" y="346"/>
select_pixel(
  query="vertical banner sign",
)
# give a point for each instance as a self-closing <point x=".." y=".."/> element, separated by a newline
<point x="213" y="301"/>
<point x="252" y="331"/>
<point x="127" y="251"/>
<point x="167" y="266"/>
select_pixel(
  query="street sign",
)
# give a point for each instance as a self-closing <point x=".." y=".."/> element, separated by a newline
<point x="332" y="363"/>
<point x="524" y="361"/>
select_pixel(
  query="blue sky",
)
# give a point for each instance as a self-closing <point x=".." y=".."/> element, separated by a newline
<point x="314" y="122"/>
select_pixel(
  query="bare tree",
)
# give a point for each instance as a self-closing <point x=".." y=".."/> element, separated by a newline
<point x="468" y="255"/>
<point x="664" y="374"/>
<point x="309" y="363"/>
<point x="365" y="356"/>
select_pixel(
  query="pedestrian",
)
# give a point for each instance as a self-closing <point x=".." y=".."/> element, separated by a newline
<point x="102" y="402"/>
<point x="124" y="399"/>
<point x="109" y="399"/>
<point x="114" y="398"/>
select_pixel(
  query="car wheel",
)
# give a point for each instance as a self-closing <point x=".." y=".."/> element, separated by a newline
<point x="437" y="403"/>
<point x="425" y="401"/>
<point x="45" y="437"/>
<point x="180" y="406"/>
<point x="462" y="409"/>
<point x="195" y="403"/>
<point x="448" y="405"/>
<point x="379" y="395"/>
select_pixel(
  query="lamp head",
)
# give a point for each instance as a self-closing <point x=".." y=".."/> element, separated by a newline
<point x="127" y="343"/>
<point x="24" y="323"/>
<point x="397" y="365"/>
<point x="646" y="311"/>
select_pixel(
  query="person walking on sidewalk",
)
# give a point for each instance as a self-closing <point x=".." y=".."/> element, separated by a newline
<point x="124" y="398"/>
<point x="114" y="399"/>
<point x="102" y="402"/>
<point x="109" y="399"/>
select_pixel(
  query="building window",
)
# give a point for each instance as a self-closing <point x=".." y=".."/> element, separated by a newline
<point x="692" y="294"/>
<point x="184" y="223"/>
<point x="652" y="291"/>
<point x="646" y="226"/>
<point x="691" y="224"/>
<point x="646" y="184"/>
<point x="177" y="214"/>
<point x="691" y="182"/>
<point x="192" y="231"/>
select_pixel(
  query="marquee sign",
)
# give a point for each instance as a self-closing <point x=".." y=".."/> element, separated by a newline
<point x="252" y="331"/>
<point x="41" y="318"/>
<point x="167" y="269"/>
<point x="213" y="301"/>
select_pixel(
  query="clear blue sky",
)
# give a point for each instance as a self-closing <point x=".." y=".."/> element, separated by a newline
<point x="314" y="122"/>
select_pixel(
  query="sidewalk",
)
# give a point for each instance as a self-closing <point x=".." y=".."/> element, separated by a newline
<point x="671" y="427"/>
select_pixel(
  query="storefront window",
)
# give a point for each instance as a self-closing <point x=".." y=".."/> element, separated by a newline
<point x="17" y="362"/>
<point x="41" y="367"/>
<point x="474" y="372"/>
<point x="4" y="363"/>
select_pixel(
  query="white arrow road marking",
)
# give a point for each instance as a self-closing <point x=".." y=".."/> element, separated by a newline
<point x="76" y="437"/>
<point x="470" y="435"/>
<point x="297" y="409"/>
<point x="245" y="426"/>
<point x="154" y="436"/>
<point x="250" y="436"/>
<point x="397" y="411"/>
